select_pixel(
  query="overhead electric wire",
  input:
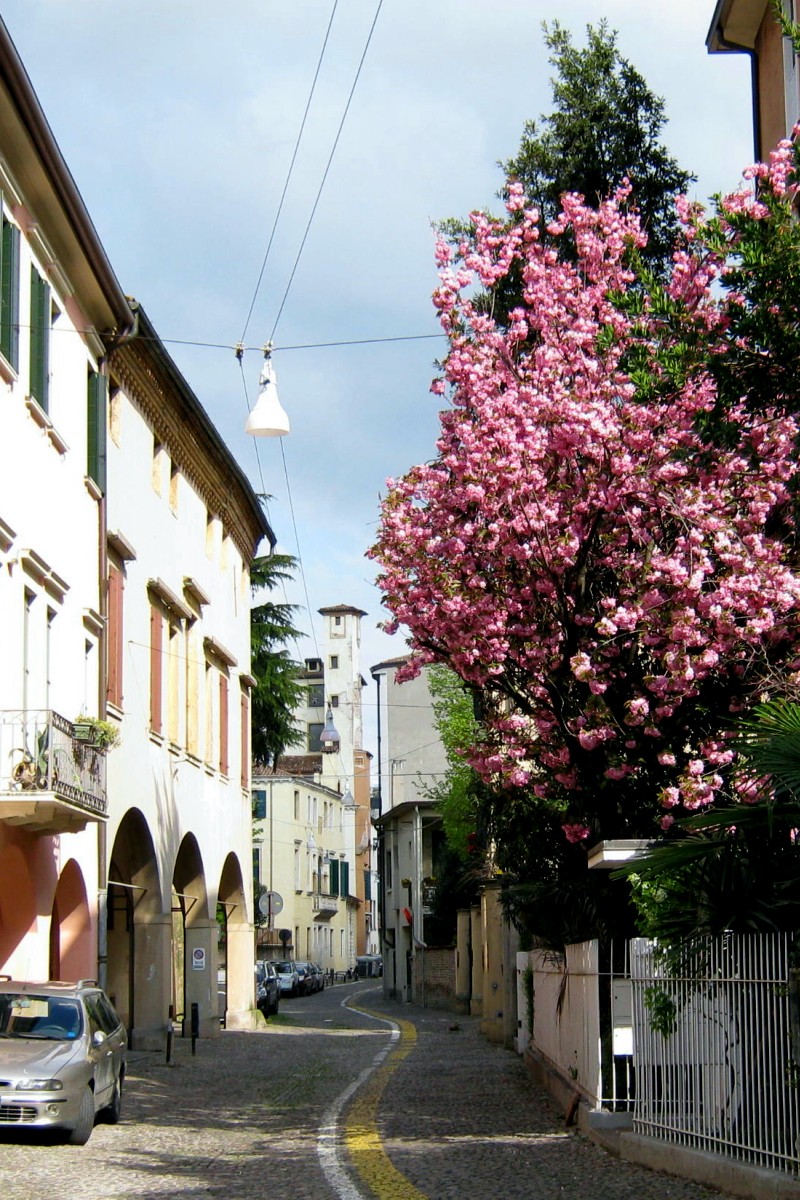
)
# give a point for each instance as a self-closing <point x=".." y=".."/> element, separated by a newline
<point x="297" y="544"/>
<point x="289" y="175"/>
<point x="239" y="350"/>
<point x="327" y="169"/>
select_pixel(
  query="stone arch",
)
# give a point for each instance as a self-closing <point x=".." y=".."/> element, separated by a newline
<point x="17" y="906"/>
<point x="237" y="947"/>
<point x="194" y="941"/>
<point x="72" y="954"/>
<point x="138" y="934"/>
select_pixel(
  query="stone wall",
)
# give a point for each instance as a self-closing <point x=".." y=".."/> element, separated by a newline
<point x="434" y="977"/>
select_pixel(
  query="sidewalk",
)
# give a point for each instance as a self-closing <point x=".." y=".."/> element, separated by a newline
<point x="460" y="1117"/>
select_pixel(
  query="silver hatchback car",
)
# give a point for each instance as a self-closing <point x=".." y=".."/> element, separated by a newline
<point x="62" y="1057"/>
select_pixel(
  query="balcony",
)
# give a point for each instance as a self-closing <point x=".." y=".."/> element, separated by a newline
<point x="50" y="782"/>
<point x="324" y="905"/>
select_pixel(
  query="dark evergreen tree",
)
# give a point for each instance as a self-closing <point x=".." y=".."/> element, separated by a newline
<point x="278" y="689"/>
<point x="606" y="125"/>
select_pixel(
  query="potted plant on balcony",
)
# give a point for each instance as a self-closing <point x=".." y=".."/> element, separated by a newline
<point x="30" y="770"/>
<point x="99" y="734"/>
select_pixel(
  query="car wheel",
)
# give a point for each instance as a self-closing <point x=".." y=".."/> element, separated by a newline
<point x="82" y="1131"/>
<point x="113" y="1111"/>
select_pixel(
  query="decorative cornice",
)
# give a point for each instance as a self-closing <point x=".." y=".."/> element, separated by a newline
<point x="169" y="599"/>
<point x="216" y="649"/>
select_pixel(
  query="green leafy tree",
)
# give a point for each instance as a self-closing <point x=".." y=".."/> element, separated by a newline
<point x="457" y="792"/>
<point x="278" y="690"/>
<point x="606" y="125"/>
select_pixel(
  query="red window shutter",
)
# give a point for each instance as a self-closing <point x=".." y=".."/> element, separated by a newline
<point x="245" y="739"/>
<point x="116" y="585"/>
<point x="156" y="668"/>
<point x="223" y="724"/>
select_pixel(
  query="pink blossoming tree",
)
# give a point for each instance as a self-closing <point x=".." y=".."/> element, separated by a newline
<point x="602" y="546"/>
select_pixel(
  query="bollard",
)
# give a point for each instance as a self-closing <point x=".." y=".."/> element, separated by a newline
<point x="170" y="1018"/>
<point x="195" y="1025"/>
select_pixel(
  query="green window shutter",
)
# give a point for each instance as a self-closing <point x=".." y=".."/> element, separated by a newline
<point x="367" y="885"/>
<point x="9" y="294"/>
<point x="96" y="428"/>
<point x="40" y="338"/>
<point x="333" y="888"/>
<point x="344" y="879"/>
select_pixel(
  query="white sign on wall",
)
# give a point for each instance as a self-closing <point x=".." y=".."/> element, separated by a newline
<point x="198" y="959"/>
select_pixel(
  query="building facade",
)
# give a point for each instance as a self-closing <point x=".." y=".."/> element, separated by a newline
<point x="126" y="533"/>
<point x="313" y="832"/>
<point x="182" y="528"/>
<point x="61" y="313"/>
<point x="411" y="759"/>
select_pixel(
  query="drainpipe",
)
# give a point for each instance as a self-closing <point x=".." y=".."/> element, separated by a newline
<point x="102" y="648"/>
<point x="124" y="335"/>
<point x="736" y="48"/>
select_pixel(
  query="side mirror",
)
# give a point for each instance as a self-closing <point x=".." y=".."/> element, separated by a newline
<point x="98" y="1037"/>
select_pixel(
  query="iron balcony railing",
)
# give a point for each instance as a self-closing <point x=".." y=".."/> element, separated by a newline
<point x="40" y="756"/>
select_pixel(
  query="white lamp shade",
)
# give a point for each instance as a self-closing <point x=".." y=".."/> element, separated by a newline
<point x="329" y="737"/>
<point x="267" y="418"/>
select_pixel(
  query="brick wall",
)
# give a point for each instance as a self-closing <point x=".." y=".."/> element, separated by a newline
<point x="434" y="973"/>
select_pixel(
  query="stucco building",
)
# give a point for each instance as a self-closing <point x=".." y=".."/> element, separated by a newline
<point x="126" y="534"/>
<point x="411" y="759"/>
<point x="61" y="313"/>
<point x="313" y="840"/>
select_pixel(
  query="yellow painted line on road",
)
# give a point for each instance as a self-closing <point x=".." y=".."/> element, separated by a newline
<point x="362" y="1138"/>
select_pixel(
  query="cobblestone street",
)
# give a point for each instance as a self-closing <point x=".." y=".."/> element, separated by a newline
<point x="456" y="1117"/>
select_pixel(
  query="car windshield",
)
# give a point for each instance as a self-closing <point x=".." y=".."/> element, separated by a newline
<point x="50" y="1018"/>
<point x="284" y="968"/>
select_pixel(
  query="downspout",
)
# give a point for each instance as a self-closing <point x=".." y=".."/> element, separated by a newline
<point x="102" y="673"/>
<point x="737" y="48"/>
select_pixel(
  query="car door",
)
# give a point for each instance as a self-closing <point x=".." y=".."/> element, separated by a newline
<point x="101" y="1051"/>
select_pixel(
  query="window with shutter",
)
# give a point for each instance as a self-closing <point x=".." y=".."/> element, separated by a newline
<point x="116" y="584"/>
<point x="156" y="665"/>
<point x="223" y="725"/>
<point x="344" y="879"/>
<point x="96" y="394"/>
<point x="40" y="339"/>
<point x="9" y="293"/>
<point x="334" y="884"/>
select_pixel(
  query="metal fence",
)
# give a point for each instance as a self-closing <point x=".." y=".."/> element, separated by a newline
<point x="716" y="1032"/>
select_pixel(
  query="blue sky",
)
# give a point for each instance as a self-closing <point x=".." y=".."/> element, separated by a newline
<point x="178" y="119"/>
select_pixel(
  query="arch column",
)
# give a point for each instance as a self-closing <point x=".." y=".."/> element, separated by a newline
<point x="200" y="984"/>
<point x="152" y="964"/>
<point x="241" y="1012"/>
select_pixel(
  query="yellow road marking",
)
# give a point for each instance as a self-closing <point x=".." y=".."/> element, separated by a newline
<point x="361" y="1129"/>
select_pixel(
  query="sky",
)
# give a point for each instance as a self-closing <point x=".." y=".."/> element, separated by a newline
<point x="179" y="119"/>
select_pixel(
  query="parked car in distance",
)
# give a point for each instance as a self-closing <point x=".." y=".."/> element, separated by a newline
<point x="305" y="986"/>
<point x="318" y="976"/>
<point x="62" y="1057"/>
<point x="369" y="966"/>
<point x="288" y="979"/>
<point x="267" y="988"/>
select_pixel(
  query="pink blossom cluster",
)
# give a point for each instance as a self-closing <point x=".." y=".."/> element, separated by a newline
<point x="587" y="560"/>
